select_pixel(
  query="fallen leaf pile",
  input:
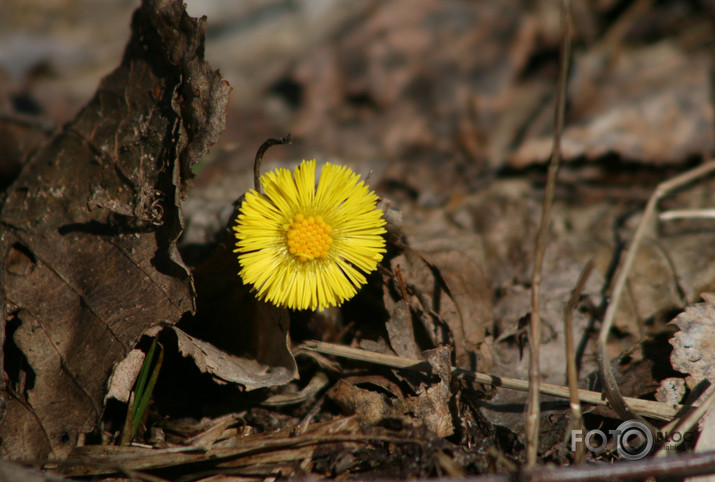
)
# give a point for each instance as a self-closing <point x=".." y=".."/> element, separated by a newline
<point x="131" y="348"/>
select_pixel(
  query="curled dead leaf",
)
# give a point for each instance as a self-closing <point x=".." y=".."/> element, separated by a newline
<point x="227" y="368"/>
<point x="449" y="293"/>
<point x="90" y="228"/>
<point x="694" y="345"/>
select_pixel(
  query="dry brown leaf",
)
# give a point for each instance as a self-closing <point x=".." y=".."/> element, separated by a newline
<point x="431" y="405"/>
<point x="506" y="408"/>
<point x="367" y="405"/>
<point x="686" y="251"/>
<point x="385" y="80"/>
<point x="400" y="331"/>
<point x="652" y="287"/>
<point x="232" y="319"/>
<point x="506" y="218"/>
<point x="670" y="391"/>
<point x="89" y="232"/>
<point x="652" y="105"/>
<point x="669" y="273"/>
<point x="124" y="375"/>
<point x="694" y="345"/>
<point x="227" y="368"/>
<point x="559" y="279"/>
<point x="452" y="295"/>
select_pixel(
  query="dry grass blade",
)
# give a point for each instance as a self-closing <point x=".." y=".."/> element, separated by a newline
<point x="571" y="369"/>
<point x="656" y="410"/>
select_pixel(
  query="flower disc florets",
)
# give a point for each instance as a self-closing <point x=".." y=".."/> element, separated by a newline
<point x="304" y="246"/>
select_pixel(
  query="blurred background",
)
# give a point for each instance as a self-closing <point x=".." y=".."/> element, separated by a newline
<point x="433" y="100"/>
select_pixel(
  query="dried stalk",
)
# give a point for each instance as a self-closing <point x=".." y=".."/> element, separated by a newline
<point x="656" y="410"/>
<point x="571" y="369"/>
<point x="532" y="418"/>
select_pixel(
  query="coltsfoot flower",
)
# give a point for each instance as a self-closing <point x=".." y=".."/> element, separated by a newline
<point x="307" y="247"/>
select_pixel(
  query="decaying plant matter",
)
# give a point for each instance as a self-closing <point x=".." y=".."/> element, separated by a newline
<point x="428" y="302"/>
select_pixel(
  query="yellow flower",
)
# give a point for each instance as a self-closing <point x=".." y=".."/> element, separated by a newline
<point x="304" y="247"/>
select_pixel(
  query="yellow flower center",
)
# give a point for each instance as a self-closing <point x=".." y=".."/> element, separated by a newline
<point x="309" y="237"/>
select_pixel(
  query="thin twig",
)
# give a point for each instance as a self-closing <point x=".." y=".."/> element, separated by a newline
<point x="571" y="369"/>
<point x="610" y="387"/>
<point x="656" y="410"/>
<point x="259" y="157"/>
<point x="532" y="418"/>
